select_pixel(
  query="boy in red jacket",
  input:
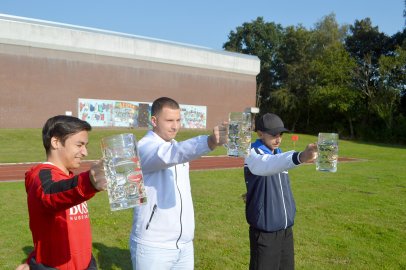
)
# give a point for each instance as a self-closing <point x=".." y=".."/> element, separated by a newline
<point x="59" y="218"/>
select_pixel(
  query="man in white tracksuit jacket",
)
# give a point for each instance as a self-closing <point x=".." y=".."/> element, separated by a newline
<point x="163" y="229"/>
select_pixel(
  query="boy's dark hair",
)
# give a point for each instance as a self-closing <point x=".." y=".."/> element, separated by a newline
<point x="61" y="127"/>
<point x="161" y="102"/>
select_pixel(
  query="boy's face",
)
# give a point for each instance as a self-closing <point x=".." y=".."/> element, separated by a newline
<point x="69" y="155"/>
<point x="166" y="123"/>
<point x="271" y="141"/>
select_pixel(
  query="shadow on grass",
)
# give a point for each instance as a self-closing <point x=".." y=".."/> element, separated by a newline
<point x="27" y="250"/>
<point x="107" y="257"/>
<point x="112" y="257"/>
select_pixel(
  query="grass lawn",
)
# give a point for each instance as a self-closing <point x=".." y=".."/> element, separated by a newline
<point x="352" y="219"/>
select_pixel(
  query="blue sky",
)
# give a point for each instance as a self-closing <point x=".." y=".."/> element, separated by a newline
<point x="203" y="23"/>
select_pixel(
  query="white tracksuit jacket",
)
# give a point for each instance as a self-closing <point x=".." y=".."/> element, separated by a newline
<point x="167" y="219"/>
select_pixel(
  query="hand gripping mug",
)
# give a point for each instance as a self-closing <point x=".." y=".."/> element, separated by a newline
<point x="125" y="184"/>
<point x="239" y="134"/>
<point x="327" y="156"/>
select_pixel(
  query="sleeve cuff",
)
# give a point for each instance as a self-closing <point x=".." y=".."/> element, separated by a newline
<point x="206" y="144"/>
<point x="295" y="158"/>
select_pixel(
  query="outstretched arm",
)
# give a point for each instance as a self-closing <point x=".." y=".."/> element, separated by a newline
<point x="266" y="164"/>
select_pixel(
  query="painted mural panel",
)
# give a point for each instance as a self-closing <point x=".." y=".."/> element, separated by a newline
<point x="116" y="113"/>
<point x="144" y="114"/>
<point x="125" y="114"/>
<point x="193" y="116"/>
<point x="98" y="113"/>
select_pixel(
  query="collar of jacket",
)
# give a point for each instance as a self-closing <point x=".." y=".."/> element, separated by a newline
<point x="260" y="145"/>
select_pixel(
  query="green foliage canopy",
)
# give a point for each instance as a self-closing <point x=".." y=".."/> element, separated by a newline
<point x="339" y="78"/>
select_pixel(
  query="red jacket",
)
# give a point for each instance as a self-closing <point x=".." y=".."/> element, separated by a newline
<point x="59" y="218"/>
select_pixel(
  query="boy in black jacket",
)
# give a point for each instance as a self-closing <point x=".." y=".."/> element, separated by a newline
<point x="270" y="207"/>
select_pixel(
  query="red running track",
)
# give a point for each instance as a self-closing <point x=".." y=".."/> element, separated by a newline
<point x="16" y="172"/>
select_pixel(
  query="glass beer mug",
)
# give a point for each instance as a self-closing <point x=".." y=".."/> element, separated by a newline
<point x="125" y="185"/>
<point x="239" y="134"/>
<point x="327" y="156"/>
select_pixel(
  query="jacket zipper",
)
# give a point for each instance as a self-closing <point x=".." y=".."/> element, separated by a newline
<point x="283" y="201"/>
<point x="150" y="218"/>
<point x="180" y="216"/>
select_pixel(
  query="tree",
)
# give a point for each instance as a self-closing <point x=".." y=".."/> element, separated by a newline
<point x="261" y="39"/>
<point x="286" y="54"/>
<point x="366" y="41"/>
<point x="353" y="74"/>
<point x="332" y="70"/>
<point x="333" y="94"/>
<point x="393" y="80"/>
<point x="327" y="31"/>
<point x="398" y="41"/>
<point x="366" y="45"/>
<point x="291" y="98"/>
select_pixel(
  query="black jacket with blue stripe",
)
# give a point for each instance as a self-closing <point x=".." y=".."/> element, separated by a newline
<point x="270" y="205"/>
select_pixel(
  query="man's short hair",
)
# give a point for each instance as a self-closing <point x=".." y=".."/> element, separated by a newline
<point x="162" y="102"/>
<point x="61" y="127"/>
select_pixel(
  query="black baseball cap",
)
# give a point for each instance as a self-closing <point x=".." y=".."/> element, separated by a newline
<point x="271" y="124"/>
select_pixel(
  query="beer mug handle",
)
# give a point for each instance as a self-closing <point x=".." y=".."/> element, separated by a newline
<point x="227" y="144"/>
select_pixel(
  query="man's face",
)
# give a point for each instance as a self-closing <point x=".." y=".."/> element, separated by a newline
<point x="166" y="123"/>
<point x="71" y="153"/>
<point x="272" y="142"/>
